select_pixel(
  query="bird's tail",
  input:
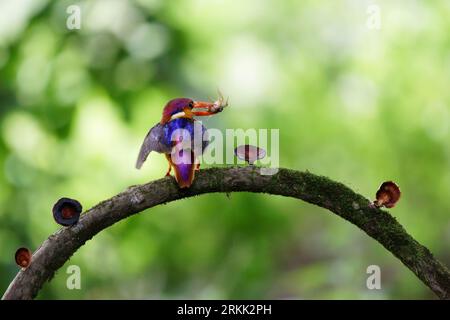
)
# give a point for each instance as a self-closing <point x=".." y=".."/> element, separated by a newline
<point x="183" y="163"/>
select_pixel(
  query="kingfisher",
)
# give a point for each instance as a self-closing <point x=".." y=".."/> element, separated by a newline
<point x="170" y="135"/>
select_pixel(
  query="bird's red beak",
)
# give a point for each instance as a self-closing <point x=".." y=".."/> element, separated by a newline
<point x="206" y="108"/>
<point x="201" y="108"/>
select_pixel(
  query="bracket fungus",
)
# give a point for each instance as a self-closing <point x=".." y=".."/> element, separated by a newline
<point x="387" y="195"/>
<point x="66" y="212"/>
<point x="249" y="153"/>
<point x="23" y="257"/>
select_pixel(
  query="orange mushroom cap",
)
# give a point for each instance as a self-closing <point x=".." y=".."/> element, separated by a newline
<point x="23" y="257"/>
<point x="387" y="195"/>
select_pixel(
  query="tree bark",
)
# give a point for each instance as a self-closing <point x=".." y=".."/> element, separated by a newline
<point x="318" y="190"/>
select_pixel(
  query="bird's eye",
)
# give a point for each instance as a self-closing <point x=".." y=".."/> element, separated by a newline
<point x="191" y="104"/>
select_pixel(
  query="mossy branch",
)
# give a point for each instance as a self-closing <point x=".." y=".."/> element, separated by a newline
<point x="321" y="191"/>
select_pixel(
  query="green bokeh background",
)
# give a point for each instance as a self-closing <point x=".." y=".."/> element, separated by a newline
<point x="359" y="105"/>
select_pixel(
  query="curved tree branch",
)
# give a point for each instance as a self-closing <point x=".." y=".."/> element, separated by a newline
<point x="321" y="191"/>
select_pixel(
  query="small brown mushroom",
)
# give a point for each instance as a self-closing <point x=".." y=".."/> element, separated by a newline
<point x="23" y="257"/>
<point x="387" y="195"/>
<point x="249" y="153"/>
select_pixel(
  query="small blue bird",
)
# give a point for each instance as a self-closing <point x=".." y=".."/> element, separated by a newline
<point x="176" y="125"/>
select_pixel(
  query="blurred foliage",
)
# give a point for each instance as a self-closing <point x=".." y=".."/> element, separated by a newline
<point x="355" y="104"/>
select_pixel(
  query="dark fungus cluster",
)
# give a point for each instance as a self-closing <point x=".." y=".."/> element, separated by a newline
<point x="66" y="212"/>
